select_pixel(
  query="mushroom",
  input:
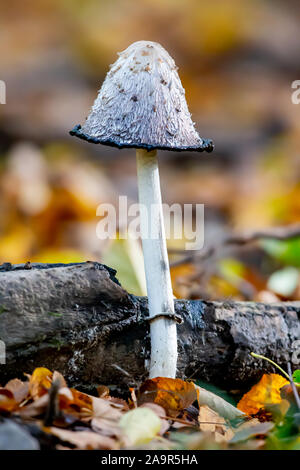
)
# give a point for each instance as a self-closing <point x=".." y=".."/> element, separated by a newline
<point x="141" y="104"/>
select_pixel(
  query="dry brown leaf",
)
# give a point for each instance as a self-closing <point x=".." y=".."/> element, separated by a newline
<point x="210" y="421"/>
<point x="218" y="404"/>
<point x="75" y="403"/>
<point x="161" y="413"/>
<point x="103" y="391"/>
<point x="159" y="410"/>
<point x="119" y="403"/>
<point x="87" y="407"/>
<point x="65" y="395"/>
<point x="58" y="377"/>
<point x="37" y="408"/>
<point x="174" y="395"/>
<point x="105" y="409"/>
<point x="19" y="389"/>
<point x="287" y="395"/>
<point x="106" y="427"/>
<point x="82" y="400"/>
<point x="84" y="440"/>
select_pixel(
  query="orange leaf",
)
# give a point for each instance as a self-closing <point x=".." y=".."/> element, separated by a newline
<point x="7" y="401"/>
<point x="174" y="395"/>
<point x="266" y="391"/>
<point x="76" y="403"/>
<point x="40" y="382"/>
<point x="82" y="400"/>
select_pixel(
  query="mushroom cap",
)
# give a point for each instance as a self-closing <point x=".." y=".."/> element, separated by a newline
<point x="142" y="104"/>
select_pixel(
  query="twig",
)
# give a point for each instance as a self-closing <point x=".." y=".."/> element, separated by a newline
<point x="52" y="411"/>
<point x="259" y="356"/>
<point x="275" y="233"/>
<point x="189" y="423"/>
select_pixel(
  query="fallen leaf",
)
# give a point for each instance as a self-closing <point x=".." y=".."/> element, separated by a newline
<point x="119" y="403"/>
<point x="40" y="382"/>
<point x="81" y="400"/>
<point x="140" y="425"/>
<point x="7" y="401"/>
<point x="58" y="377"/>
<point x="103" y="391"/>
<point x="174" y="395"/>
<point x="106" y="427"/>
<point x="287" y="394"/>
<point x="66" y="396"/>
<point x="251" y="431"/>
<point x="210" y="421"/>
<point x="102" y="408"/>
<point x="19" y="389"/>
<point x="161" y="413"/>
<point x="217" y="404"/>
<point x="84" y="440"/>
<point x="37" y="408"/>
<point x="266" y="391"/>
<point x="75" y="403"/>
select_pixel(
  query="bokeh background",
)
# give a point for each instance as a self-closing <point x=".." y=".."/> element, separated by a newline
<point x="237" y="60"/>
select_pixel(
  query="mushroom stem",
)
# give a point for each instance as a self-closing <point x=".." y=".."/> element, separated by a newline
<point x="159" y="288"/>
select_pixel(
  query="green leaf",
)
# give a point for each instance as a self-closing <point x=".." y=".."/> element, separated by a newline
<point x="296" y="376"/>
<point x="286" y="251"/>
<point x="140" y="425"/>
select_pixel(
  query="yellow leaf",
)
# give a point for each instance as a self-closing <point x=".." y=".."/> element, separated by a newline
<point x="266" y="391"/>
<point x="40" y="382"/>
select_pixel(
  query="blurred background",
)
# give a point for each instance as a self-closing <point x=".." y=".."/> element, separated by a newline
<point x="237" y="60"/>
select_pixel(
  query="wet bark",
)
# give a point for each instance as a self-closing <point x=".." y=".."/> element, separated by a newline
<point x="78" y="319"/>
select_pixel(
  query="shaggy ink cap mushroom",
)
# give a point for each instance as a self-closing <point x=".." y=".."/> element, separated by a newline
<point x="142" y="104"/>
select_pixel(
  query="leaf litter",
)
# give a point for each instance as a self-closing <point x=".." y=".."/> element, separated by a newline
<point x="162" y="413"/>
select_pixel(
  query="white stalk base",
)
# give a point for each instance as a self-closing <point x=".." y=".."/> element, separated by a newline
<point x="163" y="331"/>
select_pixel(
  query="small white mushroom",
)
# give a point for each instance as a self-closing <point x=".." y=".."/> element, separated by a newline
<point x="142" y="104"/>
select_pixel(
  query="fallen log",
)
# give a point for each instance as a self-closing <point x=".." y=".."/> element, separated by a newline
<point x="78" y="319"/>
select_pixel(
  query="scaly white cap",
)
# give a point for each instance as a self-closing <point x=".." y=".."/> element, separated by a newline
<point x="142" y="104"/>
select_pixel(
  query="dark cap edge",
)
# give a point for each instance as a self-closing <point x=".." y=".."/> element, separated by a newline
<point x="206" y="146"/>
